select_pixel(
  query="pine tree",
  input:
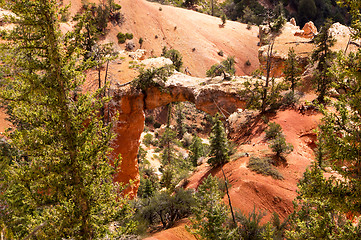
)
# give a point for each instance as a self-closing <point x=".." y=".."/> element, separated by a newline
<point x="291" y="70"/>
<point x="180" y="127"/>
<point x="219" y="144"/>
<point x="59" y="185"/>
<point x="196" y="150"/>
<point x="324" y="203"/>
<point x="210" y="213"/>
<point x="323" y="55"/>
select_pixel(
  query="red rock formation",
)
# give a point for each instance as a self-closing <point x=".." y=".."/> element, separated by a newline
<point x="131" y="103"/>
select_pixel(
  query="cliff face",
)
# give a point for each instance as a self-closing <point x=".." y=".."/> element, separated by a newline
<point x="130" y="104"/>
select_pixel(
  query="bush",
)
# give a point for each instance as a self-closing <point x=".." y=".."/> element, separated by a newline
<point x="153" y="77"/>
<point x="248" y="63"/>
<point x="290" y="99"/>
<point x="157" y="125"/>
<point x="147" y="140"/>
<point x="121" y="38"/>
<point x="175" y="56"/>
<point x="226" y="66"/>
<point x="141" y="40"/>
<point x="273" y="130"/>
<point x="149" y="120"/>
<point x="165" y="208"/>
<point x="280" y="147"/>
<point x="224" y="19"/>
<point x="129" y="36"/>
<point x="263" y="166"/>
<point x="117" y="7"/>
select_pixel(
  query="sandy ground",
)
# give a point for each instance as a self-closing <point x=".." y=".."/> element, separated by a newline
<point x="197" y="36"/>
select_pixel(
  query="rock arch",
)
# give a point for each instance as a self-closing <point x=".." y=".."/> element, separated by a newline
<point x="208" y="95"/>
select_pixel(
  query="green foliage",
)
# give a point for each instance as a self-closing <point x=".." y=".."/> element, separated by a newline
<point x="210" y="214"/>
<point x="323" y="55"/>
<point x="278" y="23"/>
<point x="129" y="36"/>
<point x="251" y="227"/>
<point x="264" y="166"/>
<point x="273" y="131"/>
<point x="153" y="77"/>
<point x="280" y="147"/>
<point x="226" y="66"/>
<point x="165" y="208"/>
<point x="320" y="209"/>
<point x="141" y="41"/>
<point x="121" y="38"/>
<point x="175" y="56"/>
<point x="292" y="71"/>
<point x="224" y="19"/>
<point x="180" y="126"/>
<point x="148" y="139"/>
<point x="307" y="11"/>
<point x="262" y="96"/>
<point x="219" y="144"/>
<point x="59" y="183"/>
<point x="211" y="218"/>
<point x="196" y="150"/>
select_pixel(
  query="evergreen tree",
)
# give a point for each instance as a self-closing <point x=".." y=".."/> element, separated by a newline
<point x="210" y="213"/>
<point x="196" y="150"/>
<point x="291" y="70"/>
<point x="324" y="203"/>
<point x="180" y="127"/>
<point x="219" y="144"/>
<point x="59" y="185"/>
<point x="323" y="55"/>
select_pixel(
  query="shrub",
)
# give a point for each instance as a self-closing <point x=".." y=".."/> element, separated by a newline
<point x="165" y="208"/>
<point x="175" y="56"/>
<point x="248" y="63"/>
<point x="129" y="36"/>
<point x="226" y="66"/>
<point x="149" y="120"/>
<point x="273" y="130"/>
<point x="153" y="77"/>
<point x="290" y="99"/>
<point x="157" y="125"/>
<point x="263" y="166"/>
<point x="117" y="7"/>
<point x="220" y="53"/>
<point x="280" y="147"/>
<point x="141" y="40"/>
<point x="147" y="140"/>
<point x="224" y="19"/>
<point x="121" y="38"/>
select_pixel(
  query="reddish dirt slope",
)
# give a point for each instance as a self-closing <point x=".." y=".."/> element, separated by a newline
<point x="248" y="189"/>
<point x="184" y="30"/>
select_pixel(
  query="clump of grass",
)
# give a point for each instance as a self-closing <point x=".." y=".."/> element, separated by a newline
<point x="264" y="166"/>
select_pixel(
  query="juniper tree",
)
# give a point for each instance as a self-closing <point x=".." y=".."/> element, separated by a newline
<point x="218" y="144"/>
<point x="59" y="185"/>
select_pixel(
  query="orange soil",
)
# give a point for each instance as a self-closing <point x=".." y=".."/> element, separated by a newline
<point x="177" y="232"/>
<point x="184" y="30"/>
<point x="249" y="190"/>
